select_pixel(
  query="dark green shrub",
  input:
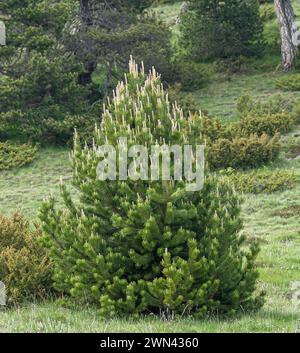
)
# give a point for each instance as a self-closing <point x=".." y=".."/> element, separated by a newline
<point x="45" y="103"/>
<point x="126" y="34"/>
<point x="14" y="155"/>
<point x="243" y="152"/>
<point x="150" y="41"/>
<point x="262" y="181"/>
<point x="265" y="124"/>
<point x="167" y="1"/>
<point x="192" y="76"/>
<point x="34" y="25"/>
<point x="289" y="83"/>
<point x="25" y="268"/>
<point x="149" y="246"/>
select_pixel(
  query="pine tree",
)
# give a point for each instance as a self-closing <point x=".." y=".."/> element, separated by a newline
<point x="108" y="32"/>
<point x="222" y="29"/>
<point x="149" y="246"/>
<point x="40" y="98"/>
<point x="32" y="25"/>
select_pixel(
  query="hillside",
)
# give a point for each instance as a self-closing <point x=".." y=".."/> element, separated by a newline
<point x="273" y="218"/>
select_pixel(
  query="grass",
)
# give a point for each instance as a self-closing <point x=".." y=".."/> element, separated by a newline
<point x="25" y="188"/>
<point x="220" y="98"/>
<point x="48" y="318"/>
<point x="272" y="219"/>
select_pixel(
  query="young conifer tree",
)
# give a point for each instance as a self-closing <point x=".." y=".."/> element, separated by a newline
<point x="149" y="246"/>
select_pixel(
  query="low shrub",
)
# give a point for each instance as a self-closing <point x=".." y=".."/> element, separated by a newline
<point x="243" y="152"/>
<point x="252" y="142"/>
<point x="262" y="181"/>
<point x="213" y="129"/>
<point x="289" y="83"/>
<point x="14" y="155"/>
<point x="25" y="268"/>
<point x="269" y="124"/>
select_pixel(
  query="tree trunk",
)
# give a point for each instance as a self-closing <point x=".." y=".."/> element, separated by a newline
<point x="86" y="18"/>
<point x="2" y="33"/>
<point x="288" y="31"/>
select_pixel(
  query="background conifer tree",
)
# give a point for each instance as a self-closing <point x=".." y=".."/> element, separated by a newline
<point x="222" y="29"/>
<point x="40" y="97"/>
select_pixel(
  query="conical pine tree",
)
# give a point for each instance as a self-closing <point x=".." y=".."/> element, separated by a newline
<point x="149" y="246"/>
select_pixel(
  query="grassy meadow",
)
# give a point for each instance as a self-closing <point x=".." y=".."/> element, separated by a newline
<point x="273" y="219"/>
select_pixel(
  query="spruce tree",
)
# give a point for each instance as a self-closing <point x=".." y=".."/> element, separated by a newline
<point x="149" y="246"/>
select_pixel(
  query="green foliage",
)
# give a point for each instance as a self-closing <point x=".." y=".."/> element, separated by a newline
<point x="15" y="156"/>
<point x="25" y="267"/>
<point x="267" y="12"/>
<point x="33" y="24"/>
<point x="236" y="146"/>
<point x="149" y="246"/>
<point x="214" y="29"/>
<point x="261" y="181"/>
<point x="40" y="98"/>
<point x="167" y="1"/>
<point x="133" y="5"/>
<point x="289" y="83"/>
<point x="124" y="33"/>
<point x="243" y="152"/>
<point x="269" y="124"/>
<point x="45" y="102"/>
<point x="150" y="41"/>
<point x="185" y="100"/>
<point x="192" y="76"/>
<point x="213" y="129"/>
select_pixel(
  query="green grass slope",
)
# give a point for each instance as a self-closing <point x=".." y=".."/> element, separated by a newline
<point x="272" y="219"/>
<point x="25" y="188"/>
